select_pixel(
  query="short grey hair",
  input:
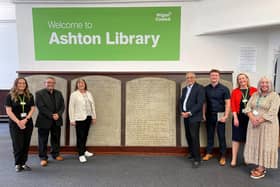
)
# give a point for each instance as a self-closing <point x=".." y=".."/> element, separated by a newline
<point x="50" y="78"/>
<point x="191" y="73"/>
<point x="270" y="85"/>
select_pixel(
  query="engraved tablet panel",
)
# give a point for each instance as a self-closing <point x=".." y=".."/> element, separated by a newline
<point x="106" y="92"/>
<point x="203" y="134"/>
<point x="35" y="83"/>
<point x="151" y="112"/>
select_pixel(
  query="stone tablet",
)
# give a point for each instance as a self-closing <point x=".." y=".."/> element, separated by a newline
<point x="106" y="92"/>
<point x="150" y="112"/>
<point x="202" y="133"/>
<point x="35" y="83"/>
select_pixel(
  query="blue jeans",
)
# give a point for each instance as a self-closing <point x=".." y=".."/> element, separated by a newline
<point x="212" y="123"/>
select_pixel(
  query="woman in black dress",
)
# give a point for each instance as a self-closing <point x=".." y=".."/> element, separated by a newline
<point x="20" y="107"/>
<point x="239" y="98"/>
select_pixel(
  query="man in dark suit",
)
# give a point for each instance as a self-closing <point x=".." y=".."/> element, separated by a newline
<point x="50" y="104"/>
<point x="192" y="100"/>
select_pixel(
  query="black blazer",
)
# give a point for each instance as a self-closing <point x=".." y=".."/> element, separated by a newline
<point x="194" y="103"/>
<point x="45" y="107"/>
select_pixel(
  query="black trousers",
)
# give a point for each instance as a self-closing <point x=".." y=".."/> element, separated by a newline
<point x="43" y="136"/>
<point x="82" y="128"/>
<point x="212" y="123"/>
<point x="21" y="141"/>
<point x="192" y="135"/>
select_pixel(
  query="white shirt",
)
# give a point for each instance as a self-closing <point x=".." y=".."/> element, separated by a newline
<point x="189" y="89"/>
<point x="78" y="108"/>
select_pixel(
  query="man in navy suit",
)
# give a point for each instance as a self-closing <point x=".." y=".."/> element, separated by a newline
<point x="192" y="100"/>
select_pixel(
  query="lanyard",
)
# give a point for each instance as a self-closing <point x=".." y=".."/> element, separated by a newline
<point x="22" y="102"/>
<point x="244" y="96"/>
<point x="258" y="101"/>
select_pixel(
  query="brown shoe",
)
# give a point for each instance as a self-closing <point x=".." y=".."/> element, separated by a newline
<point x="44" y="163"/>
<point x="59" y="158"/>
<point x="207" y="157"/>
<point x="222" y="161"/>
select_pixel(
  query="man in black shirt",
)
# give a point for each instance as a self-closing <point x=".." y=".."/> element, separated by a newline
<point x="216" y="112"/>
<point x="50" y="104"/>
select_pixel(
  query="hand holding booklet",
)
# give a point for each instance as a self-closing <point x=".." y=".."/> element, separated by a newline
<point x="220" y="115"/>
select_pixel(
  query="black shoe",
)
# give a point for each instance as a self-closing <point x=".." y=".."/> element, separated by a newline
<point x="18" y="168"/>
<point x="26" y="167"/>
<point x="195" y="164"/>
<point x="190" y="157"/>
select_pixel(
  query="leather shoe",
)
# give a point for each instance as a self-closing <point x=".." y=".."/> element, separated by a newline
<point x="222" y="161"/>
<point x="26" y="167"/>
<point x="18" y="168"/>
<point x="190" y="157"/>
<point x="207" y="157"/>
<point x="195" y="164"/>
<point x="44" y="163"/>
<point x="59" y="158"/>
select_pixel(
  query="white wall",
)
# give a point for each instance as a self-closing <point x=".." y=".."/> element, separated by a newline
<point x="8" y="45"/>
<point x="223" y="15"/>
<point x="274" y="50"/>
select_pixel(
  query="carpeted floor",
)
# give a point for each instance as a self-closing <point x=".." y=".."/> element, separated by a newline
<point x="124" y="171"/>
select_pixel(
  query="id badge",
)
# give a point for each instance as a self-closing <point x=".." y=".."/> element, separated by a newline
<point x="23" y="115"/>
<point x="255" y="112"/>
<point x="22" y="103"/>
<point x="244" y="100"/>
<point x="243" y="111"/>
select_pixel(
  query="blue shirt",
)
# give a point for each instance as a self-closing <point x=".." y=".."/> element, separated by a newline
<point x="216" y="96"/>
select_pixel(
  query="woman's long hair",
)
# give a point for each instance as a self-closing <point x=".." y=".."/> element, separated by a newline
<point x="15" y="92"/>
<point x="80" y="80"/>
<point x="237" y="77"/>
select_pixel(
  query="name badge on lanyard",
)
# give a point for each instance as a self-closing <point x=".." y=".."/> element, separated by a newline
<point x="244" y="101"/>
<point x="23" y="114"/>
<point x="255" y="112"/>
<point x="244" y="97"/>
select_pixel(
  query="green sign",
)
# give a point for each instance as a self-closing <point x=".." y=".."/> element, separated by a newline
<point x="126" y="33"/>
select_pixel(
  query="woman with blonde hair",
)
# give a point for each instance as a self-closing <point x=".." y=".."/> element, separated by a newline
<point x="261" y="146"/>
<point x="20" y="107"/>
<point x="239" y="99"/>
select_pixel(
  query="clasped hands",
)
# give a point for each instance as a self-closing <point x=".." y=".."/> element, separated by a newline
<point x="55" y="116"/>
<point x="185" y="114"/>
<point x="256" y="120"/>
<point x="22" y="123"/>
<point x="93" y="122"/>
